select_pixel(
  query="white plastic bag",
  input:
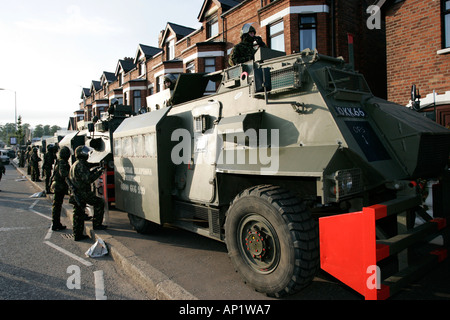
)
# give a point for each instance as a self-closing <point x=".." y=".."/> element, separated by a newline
<point x="98" y="249"/>
<point x="40" y="194"/>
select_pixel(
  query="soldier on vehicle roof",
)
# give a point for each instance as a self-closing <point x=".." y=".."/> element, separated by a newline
<point x="169" y="83"/>
<point x="245" y="50"/>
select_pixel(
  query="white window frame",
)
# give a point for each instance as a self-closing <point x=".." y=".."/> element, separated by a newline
<point x="305" y="32"/>
<point x="171" y="50"/>
<point x="445" y="24"/>
<point x="210" y="66"/>
<point x="213" y="27"/>
<point x="278" y="35"/>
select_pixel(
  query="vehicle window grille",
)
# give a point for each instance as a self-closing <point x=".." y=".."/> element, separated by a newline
<point x="285" y="78"/>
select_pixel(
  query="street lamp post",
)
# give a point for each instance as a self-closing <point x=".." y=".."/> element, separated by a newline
<point x="15" y="106"/>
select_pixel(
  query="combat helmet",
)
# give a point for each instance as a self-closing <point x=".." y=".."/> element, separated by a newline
<point x="246" y="29"/>
<point x="170" y="78"/>
<point x="64" y="153"/>
<point x="82" y="152"/>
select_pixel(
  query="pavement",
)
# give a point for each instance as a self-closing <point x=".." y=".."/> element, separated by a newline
<point x="174" y="264"/>
<point x="154" y="283"/>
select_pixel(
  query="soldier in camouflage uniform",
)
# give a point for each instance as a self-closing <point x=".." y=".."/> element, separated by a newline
<point x="35" y="165"/>
<point x="21" y="158"/>
<point x="81" y="179"/>
<point x="59" y="186"/>
<point x="47" y="166"/>
<point x="245" y="50"/>
<point x="28" y="159"/>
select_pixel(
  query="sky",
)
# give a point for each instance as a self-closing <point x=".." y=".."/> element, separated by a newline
<point x="51" y="49"/>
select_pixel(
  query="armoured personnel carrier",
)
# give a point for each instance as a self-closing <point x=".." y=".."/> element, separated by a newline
<point x="294" y="164"/>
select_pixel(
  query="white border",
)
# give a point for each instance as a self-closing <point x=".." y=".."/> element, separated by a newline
<point x="205" y="54"/>
<point x="295" y="10"/>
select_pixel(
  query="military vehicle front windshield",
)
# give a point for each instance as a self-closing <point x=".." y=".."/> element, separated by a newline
<point x="348" y="81"/>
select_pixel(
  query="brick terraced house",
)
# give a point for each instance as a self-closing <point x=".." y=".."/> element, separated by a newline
<point x="284" y="25"/>
<point x="418" y="52"/>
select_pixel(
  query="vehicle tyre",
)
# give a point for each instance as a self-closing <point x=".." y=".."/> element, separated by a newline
<point x="141" y="225"/>
<point x="272" y="240"/>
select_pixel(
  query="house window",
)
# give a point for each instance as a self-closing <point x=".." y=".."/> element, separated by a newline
<point x="308" y="30"/>
<point x="212" y="27"/>
<point x="210" y="66"/>
<point x="276" y="34"/>
<point x="159" y="84"/>
<point x="151" y="89"/>
<point x="446" y="24"/>
<point x="170" y="49"/>
<point x="142" y="68"/>
<point x="190" y="67"/>
<point x="137" y="100"/>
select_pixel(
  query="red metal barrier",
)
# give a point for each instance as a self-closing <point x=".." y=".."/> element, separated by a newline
<point x="349" y="250"/>
<point x="108" y="186"/>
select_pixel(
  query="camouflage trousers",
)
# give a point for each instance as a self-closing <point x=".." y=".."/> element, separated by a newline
<point x="48" y="174"/>
<point x="34" y="173"/>
<point x="58" y="200"/>
<point x="79" y="213"/>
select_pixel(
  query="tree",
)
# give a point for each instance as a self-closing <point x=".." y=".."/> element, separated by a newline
<point x="47" y="130"/>
<point x="38" y="131"/>
<point x="20" y="132"/>
<point x="54" y="129"/>
<point x="6" y="131"/>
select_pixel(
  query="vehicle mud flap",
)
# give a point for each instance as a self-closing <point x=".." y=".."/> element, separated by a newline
<point x="351" y="252"/>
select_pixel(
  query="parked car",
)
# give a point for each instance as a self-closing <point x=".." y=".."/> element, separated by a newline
<point x="11" y="153"/>
<point x="4" y="156"/>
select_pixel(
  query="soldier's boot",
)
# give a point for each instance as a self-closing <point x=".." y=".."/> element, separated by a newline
<point x="99" y="211"/>
<point x="78" y="224"/>
<point x="58" y="200"/>
<point x="80" y="238"/>
<point x="56" y="223"/>
<point x="47" y="184"/>
<point x="58" y="227"/>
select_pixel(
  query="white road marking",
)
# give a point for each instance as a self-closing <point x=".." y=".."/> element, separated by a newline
<point x="42" y="215"/>
<point x="99" y="286"/>
<point x="49" y="234"/>
<point x="69" y="254"/>
<point x="98" y="275"/>
<point x="34" y="203"/>
<point x="14" y="229"/>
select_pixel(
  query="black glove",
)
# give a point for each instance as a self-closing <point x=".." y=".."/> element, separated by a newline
<point x="259" y="41"/>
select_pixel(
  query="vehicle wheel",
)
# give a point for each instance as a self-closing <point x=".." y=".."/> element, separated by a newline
<point x="272" y="240"/>
<point x="141" y="225"/>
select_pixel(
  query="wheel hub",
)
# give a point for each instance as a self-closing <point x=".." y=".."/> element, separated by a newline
<point x="259" y="244"/>
<point x="256" y="244"/>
